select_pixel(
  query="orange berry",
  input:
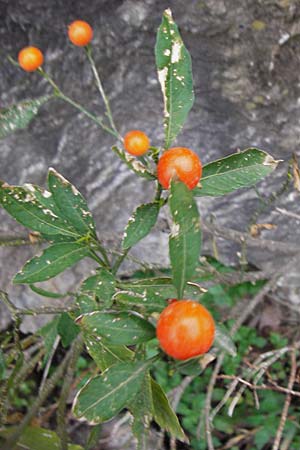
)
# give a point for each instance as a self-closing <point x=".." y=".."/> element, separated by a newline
<point x="136" y="142"/>
<point x="185" y="329"/>
<point x="80" y="33"/>
<point x="181" y="163"/>
<point x="30" y="58"/>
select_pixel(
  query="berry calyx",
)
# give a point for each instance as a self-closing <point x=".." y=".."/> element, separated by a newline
<point x="185" y="329"/>
<point x="30" y="58"/>
<point x="179" y="163"/>
<point x="136" y="142"/>
<point x="80" y="33"/>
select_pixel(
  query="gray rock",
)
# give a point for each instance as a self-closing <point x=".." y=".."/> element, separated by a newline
<point x="246" y="76"/>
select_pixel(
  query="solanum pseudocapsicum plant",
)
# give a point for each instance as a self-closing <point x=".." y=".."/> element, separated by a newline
<point x="115" y="317"/>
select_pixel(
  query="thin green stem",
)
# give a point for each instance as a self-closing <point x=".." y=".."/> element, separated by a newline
<point x="119" y="261"/>
<point x="58" y="93"/>
<point x="88" y="51"/>
<point x="102" y="250"/>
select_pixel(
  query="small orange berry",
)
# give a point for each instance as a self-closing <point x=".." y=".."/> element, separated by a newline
<point x="80" y="33"/>
<point x="185" y="329"/>
<point x="181" y="163"/>
<point x="136" y="142"/>
<point x="30" y="58"/>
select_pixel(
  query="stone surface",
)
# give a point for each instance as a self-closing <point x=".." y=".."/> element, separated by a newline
<point x="246" y="59"/>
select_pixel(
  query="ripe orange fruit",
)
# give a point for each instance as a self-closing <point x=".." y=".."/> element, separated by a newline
<point x="80" y="33"/>
<point x="30" y="58"/>
<point x="136" y="142"/>
<point x="185" y="329"/>
<point x="181" y="163"/>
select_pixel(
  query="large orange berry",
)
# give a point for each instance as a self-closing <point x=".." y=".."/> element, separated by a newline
<point x="185" y="329"/>
<point x="179" y="163"/>
<point x="80" y="33"/>
<point x="30" y="58"/>
<point x="136" y="142"/>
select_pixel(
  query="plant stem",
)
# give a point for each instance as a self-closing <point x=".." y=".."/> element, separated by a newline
<point x="88" y="51"/>
<point x="62" y="404"/>
<point x="119" y="261"/>
<point x="58" y="93"/>
<point x="50" y="385"/>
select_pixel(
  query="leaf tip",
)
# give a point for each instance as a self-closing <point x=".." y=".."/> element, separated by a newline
<point x="270" y="161"/>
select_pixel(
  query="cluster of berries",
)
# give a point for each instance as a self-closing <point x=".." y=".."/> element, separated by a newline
<point x="185" y="328"/>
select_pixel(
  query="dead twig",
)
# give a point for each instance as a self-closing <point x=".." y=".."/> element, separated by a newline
<point x="287" y="402"/>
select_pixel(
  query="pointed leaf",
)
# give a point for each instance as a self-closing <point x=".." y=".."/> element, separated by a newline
<point x="54" y="260"/>
<point x="174" y="68"/>
<point x="101" y="286"/>
<point x="235" y="171"/>
<point x="45" y="293"/>
<point x="26" y="206"/>
<point x="71" y="203"/>
<point x="164" y="415"/>
<point x="185" y="237"/>
<point x="118" y="328"/>
<point x="106" y="355"/>
<point x="140" y="224"/>
<point x="18" y="117"/>
<point x="106" y="395"/>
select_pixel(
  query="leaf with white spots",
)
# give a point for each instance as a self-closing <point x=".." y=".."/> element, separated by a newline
<point x="101" y="286"/>
<point x="71" y="204"/>
<point x="106" y="395"/>
<point x="18" y="117"/>
<point x="31" y="207"/>
<point x="185" y="236"/>
<point x="54" y="260"/>
<point x="174" y="68"/>
<point x="139" y="302"/>
<point x="140" y="224"/>
<point x="106" y="355"/>
<point x="235" y="171"/>
<point x="141" y="409"/>
<point x="124" y="328"/>
<point x="150" y="294"/>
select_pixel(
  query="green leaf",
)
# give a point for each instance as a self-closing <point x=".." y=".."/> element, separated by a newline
<point x="140" y="224"/>
<point x="106" y="395"/>
<point x="174" y="68"/>
<point x="118" y="328"/>
<point x="73" y="207"/>
<point x="54" y="260"/>
<point x="235" y="171"/>
<point x="224" y="341"/>
<point x="164" y="415"/>
<point x="151" y="294"/>
<point x="139" y="302"/>
<point x="185" y="237"/>
<point x="45" y="293"/>
<point x="18" y="117"/>
<point x="142" y="409"/>
<point x="36" y="438"/>
<point x="101" y="286"/>
<point x="86" y="303"/>
<point x="93" y="438"/>
<point x="49" y="333"/>
<point x="67" y="329"/>
<point x="32" y="207"/>
<point x="106" y="355"/>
